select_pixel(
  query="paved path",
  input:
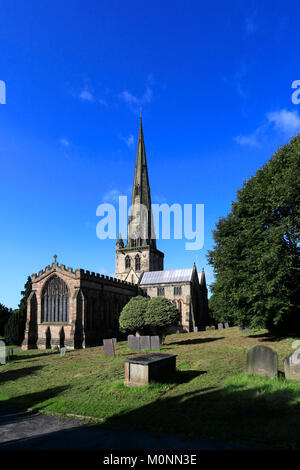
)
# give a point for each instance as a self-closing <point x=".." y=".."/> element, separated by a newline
<point x="21" y="430"/>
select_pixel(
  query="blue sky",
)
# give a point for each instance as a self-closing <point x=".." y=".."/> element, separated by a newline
<point x="214" y="82"/>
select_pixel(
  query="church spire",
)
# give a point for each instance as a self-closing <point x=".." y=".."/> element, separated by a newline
<point x="142" y="221"/>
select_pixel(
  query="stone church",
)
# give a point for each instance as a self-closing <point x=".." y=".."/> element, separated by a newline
<point x="79" y="308"/>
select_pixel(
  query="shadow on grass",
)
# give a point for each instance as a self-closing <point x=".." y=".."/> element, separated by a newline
<point x="16" y="374"/>
<point x="183" y="376"/>
<point x="252" y="416"/>
<point x="197" y="341"/>
<point x="269" y="337"/>
<point x="20" y="357"/>
<point x="32" y="400"/>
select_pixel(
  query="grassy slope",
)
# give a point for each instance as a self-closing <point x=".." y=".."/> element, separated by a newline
<point x="209" y="397"/>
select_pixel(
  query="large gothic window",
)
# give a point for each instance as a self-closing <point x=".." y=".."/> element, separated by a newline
<point x="55" y="301"/>
<point x="137" y="263"/>
<point x="127" y="262"/>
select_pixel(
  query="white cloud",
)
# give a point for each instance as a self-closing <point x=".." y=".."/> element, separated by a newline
<point x="285" y="121"/>
<point x="64" y="142"/>
<point x="86" y="95"/>
<point x="112" y="195"/>
<point x="134" y="102"/>
<point x="129" y="141"/>
<point x="250" y="140"/>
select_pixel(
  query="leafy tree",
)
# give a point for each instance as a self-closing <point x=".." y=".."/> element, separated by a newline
<point x="12" y="328"/>
<point x="4" y="314"/>
<point x="132" y="317"/>
<point x="256" y="257"/>
<point x="23" y="308"/>
<point x="160" y="315"/>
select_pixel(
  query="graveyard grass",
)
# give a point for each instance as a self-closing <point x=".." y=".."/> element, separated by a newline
<point x="210" y="396"/>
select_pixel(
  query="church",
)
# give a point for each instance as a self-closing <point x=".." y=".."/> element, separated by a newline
<point x="78" y="308"/>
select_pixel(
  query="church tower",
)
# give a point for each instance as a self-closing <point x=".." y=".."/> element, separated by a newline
<point x="140" y="254"/>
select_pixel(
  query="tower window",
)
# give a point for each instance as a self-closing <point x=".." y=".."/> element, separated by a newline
<point x="137" y="263"/>
<point x="127" y="262"/>
<point x="160" y="291"/>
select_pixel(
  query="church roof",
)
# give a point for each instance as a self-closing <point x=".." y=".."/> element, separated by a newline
<point x="174" y="275"/>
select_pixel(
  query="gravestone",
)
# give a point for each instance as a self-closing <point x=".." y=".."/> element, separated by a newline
<point x="141" y="370"/>
<point x="135" y="343"/>
<point x="63" y="352"/>
<point x="220" y="326"/>
<point x="195" y="329"/>
<point x="262" y="360"/>
<point x="129" y="339"/>
<point x="145" y="343"/>
<point x="2" y="353"/>
<point x="292" y="366"/>
<point x="226" y="325"/>
<point x="246" y="330"/>
<point x="114" y="340"/>
<point x="108" y="347"/>
<point x="154" y="342"/>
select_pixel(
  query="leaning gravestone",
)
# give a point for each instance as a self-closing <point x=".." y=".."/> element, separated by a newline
<point x="292" y="366"/>
<point x="2" y="353"/>
<point x="63" y="352"/>
<point x="135" y="343"/>
<point x="220" y="326"/>
<point x="262" y="360"/>
<point x="154" y="342"/>
<point x="195" y="329"/>
<point x="108" y="347"/>
<point x="145" y="343"/>
<point x="226" y="325"/>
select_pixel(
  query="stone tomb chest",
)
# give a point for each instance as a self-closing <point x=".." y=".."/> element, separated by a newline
<point x="140" y="370"/>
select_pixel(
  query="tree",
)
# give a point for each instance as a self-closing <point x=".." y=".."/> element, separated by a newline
<point x="12" y="328"/>
<point x="256" y="257"/>
<point x="132" y="317"/>
<point x="160" y="315"/>
<point x="4" y="314"/>
<point x="23" y="308"/>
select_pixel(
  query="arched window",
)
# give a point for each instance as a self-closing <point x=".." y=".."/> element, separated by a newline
<point x="127" y="262"/>
<point x="137" y="263"/>
<point x="55" y="301"/>
<point x="179" y="306"/>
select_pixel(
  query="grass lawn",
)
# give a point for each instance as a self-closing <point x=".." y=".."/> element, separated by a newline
<point x="210" y="396"/>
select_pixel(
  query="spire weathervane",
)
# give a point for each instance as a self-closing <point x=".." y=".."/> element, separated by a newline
<point x="54" y="256"/>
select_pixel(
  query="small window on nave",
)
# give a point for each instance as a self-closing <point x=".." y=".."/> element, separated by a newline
<point x="160" y="291"/>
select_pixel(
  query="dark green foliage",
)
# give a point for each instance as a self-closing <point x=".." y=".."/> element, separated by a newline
<point x="256" y="256"/>
<point x="132" y="316"/>
<point x="23" y="308"/>
<point x="160" y="315"/>
<point x="12" y="328"/>
<point x="4" y="314"/>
